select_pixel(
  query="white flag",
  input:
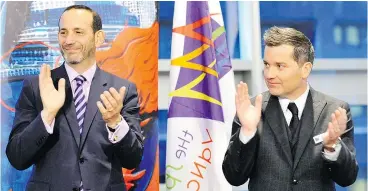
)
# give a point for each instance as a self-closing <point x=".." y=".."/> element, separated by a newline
<point x="202" y="99"/>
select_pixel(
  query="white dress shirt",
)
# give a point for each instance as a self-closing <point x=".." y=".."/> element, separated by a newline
<point x="300" y="103"/>
<point x="122" y="128"/>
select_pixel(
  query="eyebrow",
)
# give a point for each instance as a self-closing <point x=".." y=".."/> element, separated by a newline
<point x="73" y="29"/>
<point x="265" y="62"/>
<point x="281" y="63"/>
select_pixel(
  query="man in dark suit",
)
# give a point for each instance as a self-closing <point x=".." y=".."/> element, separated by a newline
<point x="294" y="137"/>
<point x="71" y="144"/>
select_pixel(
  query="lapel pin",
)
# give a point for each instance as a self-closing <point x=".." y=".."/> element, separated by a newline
<point x="318" y="138"/>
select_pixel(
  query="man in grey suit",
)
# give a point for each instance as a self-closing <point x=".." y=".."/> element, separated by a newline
<point x="293" y="137"/>
<point x="81" y="134"/>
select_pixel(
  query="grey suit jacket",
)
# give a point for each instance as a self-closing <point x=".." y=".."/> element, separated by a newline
<point x="266" y="160"/>
<point x="65" y="158"/>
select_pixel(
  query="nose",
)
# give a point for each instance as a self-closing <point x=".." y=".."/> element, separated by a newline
<point x="270" y="73"/>
<point x="69" y="39"/>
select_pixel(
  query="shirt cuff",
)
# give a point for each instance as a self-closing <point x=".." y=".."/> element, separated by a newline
<point x="49" y="128"/>
<point x="244" y="138"/>
<point x="332" y="156"/>
<point x="119" y="132"/>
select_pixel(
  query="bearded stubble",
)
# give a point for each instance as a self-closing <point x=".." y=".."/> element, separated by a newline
<point x="84" y="56"/>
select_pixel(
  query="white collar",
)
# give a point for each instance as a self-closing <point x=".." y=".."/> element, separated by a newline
<point x="299" y="102"/>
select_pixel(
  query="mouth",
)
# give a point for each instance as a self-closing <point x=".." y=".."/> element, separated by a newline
<point x="71" y="50"/>
<point x="272" y="84"/>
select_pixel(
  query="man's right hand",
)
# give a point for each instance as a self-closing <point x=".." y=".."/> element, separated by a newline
<point x="248" y="114"/>
<point x="52" y="99"/>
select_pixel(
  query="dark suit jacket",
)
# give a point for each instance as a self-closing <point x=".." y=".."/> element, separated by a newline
<point x="267" y="160"/>
<point x="61" y="160"/>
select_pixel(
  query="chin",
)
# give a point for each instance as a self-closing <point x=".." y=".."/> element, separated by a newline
<point x="72" y="61"/>
<point x="274" y="92"/>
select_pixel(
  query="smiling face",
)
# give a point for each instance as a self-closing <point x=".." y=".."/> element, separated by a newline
<point x="76" y="37"/>
<point x="284" y="77"/>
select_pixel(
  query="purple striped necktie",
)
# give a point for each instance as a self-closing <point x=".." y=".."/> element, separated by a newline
<point x="80" y="101"/>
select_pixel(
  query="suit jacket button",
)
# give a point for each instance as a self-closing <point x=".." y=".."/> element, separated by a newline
<point x="81" y="160"/>
<point x="295" y="182"/>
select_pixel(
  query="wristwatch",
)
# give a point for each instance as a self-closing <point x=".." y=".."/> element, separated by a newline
<point x="333" y="147"/>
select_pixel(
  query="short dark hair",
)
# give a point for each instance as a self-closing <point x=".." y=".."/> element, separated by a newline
<point x="96" y="19"/>
<point x="303" y="48"/>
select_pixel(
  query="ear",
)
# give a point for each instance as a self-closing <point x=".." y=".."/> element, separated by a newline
<point x="306" y="69"/>
<point x="99" y="38"/>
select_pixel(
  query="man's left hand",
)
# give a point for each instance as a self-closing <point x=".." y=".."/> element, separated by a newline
<point x="112" y="103"/>
<point x="336" y="127"/>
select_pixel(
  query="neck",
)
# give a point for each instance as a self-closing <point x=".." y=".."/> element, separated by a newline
<point x="83" y="66"/>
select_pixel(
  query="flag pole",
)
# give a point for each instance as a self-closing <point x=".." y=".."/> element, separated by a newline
<point x="250" y="42"/>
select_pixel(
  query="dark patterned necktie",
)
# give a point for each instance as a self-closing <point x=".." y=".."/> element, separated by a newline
<point x="294" y="125"/>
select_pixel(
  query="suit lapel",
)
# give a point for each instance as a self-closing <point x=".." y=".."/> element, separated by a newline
<point x="272" y="114"/>
<point x="312" y="110"/>
<point x="98" y="85"/>
<point x="68" y="108"/>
